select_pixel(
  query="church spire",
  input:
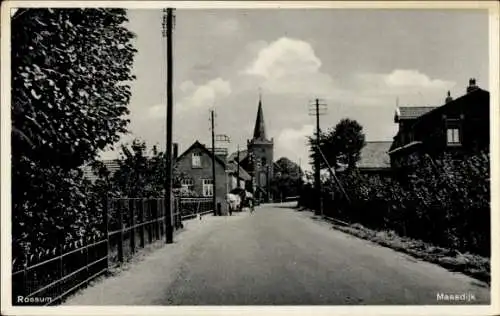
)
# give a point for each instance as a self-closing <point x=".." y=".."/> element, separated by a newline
<point x="259" y="131"/>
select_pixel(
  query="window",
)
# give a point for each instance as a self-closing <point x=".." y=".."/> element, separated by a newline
<point x="208" y="187"/>
<point x="453" y="136"/>
<point x="187" y="184"/>
<point x="196" y="160"/>
<point x="263" y="179"/>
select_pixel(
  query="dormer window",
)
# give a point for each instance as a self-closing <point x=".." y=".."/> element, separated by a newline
<point x="196" y="160"/>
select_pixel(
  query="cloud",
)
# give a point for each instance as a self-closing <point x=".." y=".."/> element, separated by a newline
<point x="292" y="143"/>
<point x="402" y="80"/>
<point x="202" y="96"/>
<point x="187" y="86"/>
<point x="192" y="97"/>
<point x="414" y="78"/>
<point x="290" y="66"/>
<point x="410" y="86"/>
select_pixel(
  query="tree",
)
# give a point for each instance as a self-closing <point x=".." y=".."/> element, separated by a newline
<point x="339" y="145"/>
<point x="313" y="149"/>
<point x="133" y="177"/>
<point x="345" y="142"/>
<point x="70" y="75"/>
<point x="70" y="69"/>
<point x="287" y="179"/>
<point x="142" y="174"/>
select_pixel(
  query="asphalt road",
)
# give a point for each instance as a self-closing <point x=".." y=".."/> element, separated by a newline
<point x="279" y="256"/>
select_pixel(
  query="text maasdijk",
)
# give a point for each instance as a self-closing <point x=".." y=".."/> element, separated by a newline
<point x="463" y="297"/>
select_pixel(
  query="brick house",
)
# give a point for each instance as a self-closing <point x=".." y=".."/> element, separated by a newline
<point x="195" y="169"/>
<point x="459" y="126"/>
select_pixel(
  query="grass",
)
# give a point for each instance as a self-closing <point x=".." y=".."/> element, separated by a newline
<point x="469" y="264"/>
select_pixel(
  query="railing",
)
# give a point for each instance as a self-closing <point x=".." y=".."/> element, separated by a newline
<point x="192" y="207"/>
<point x="44" y="281"/>
<point x="290" y="198"/>
<point x="130" y="223"/>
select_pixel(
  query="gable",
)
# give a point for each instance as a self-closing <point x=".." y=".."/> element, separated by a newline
<point x="198" y="147"/>
<point x="476" y="101"/>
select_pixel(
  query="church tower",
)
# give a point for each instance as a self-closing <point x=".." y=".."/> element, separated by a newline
<point x="261" y="150"/>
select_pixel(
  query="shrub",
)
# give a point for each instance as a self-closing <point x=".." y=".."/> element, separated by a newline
<point x="445" y="201"/>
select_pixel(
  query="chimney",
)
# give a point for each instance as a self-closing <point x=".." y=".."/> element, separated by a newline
<point x="472" y="85"/>
<point x="448" y="98"/>
<point x="175" y="154"/>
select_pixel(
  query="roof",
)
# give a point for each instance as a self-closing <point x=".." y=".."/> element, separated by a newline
<point x="243" y="155"/>
<point x="464" y="100"/>
<point x="411" y="112"/>
<point x="259" y="131"/>
<point x="111" y="164"/>
<point x="409" y="145"/>
<point x="232" y="167"/>
<point x="197" y="144"/>
<point x="375" y="155"/>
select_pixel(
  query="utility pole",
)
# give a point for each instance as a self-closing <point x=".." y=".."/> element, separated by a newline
<point x="317" y="110"/>
<point x="268" y="177"/>
<point x="214" y="198"/>
<point x="238" y="167"/>
<point x="167" y="32"/>
<point x="251" y="158"/>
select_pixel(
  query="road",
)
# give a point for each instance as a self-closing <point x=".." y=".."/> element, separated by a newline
<point x="277" y="256"/>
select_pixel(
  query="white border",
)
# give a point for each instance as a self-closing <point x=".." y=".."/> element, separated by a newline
<point x="8" y="309"/>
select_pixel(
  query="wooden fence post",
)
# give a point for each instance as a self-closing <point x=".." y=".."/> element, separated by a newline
<point x="24" y="290"/>
<point x="157" y="217"/>
<point x="154" y="217"/>
<point x="149" y="218"/>
<point x="106" y="228"/>
<point x="161" y="217"/>
<point x="131" y="208"/>
<point x="120" y="234"/>
<point x="87" y="242"/>
<point x="141" y="221"/>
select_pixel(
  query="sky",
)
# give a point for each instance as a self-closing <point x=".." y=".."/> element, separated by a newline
<point x="360" y="63"/>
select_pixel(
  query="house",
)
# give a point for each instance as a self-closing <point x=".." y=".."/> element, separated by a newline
<point x="195" y="169"/>
<point x="112" y="165"/>
<point x="374" y="158"/>
<point x="459" y="126"/>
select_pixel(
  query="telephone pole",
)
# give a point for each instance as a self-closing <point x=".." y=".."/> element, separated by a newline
<point x="212" y="121"/>
<point x="238" y="170"/>
<point x="317" y="109"/>
<point x="167" y="25"/>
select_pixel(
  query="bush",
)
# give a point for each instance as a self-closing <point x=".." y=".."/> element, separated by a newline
<point x="444" y="201"/>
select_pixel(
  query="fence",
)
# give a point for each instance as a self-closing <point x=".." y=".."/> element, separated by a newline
<point x="130" y="223"/>
<point x="191" y="207"/>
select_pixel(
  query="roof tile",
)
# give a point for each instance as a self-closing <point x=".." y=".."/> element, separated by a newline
<point x="374" y="155"/>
